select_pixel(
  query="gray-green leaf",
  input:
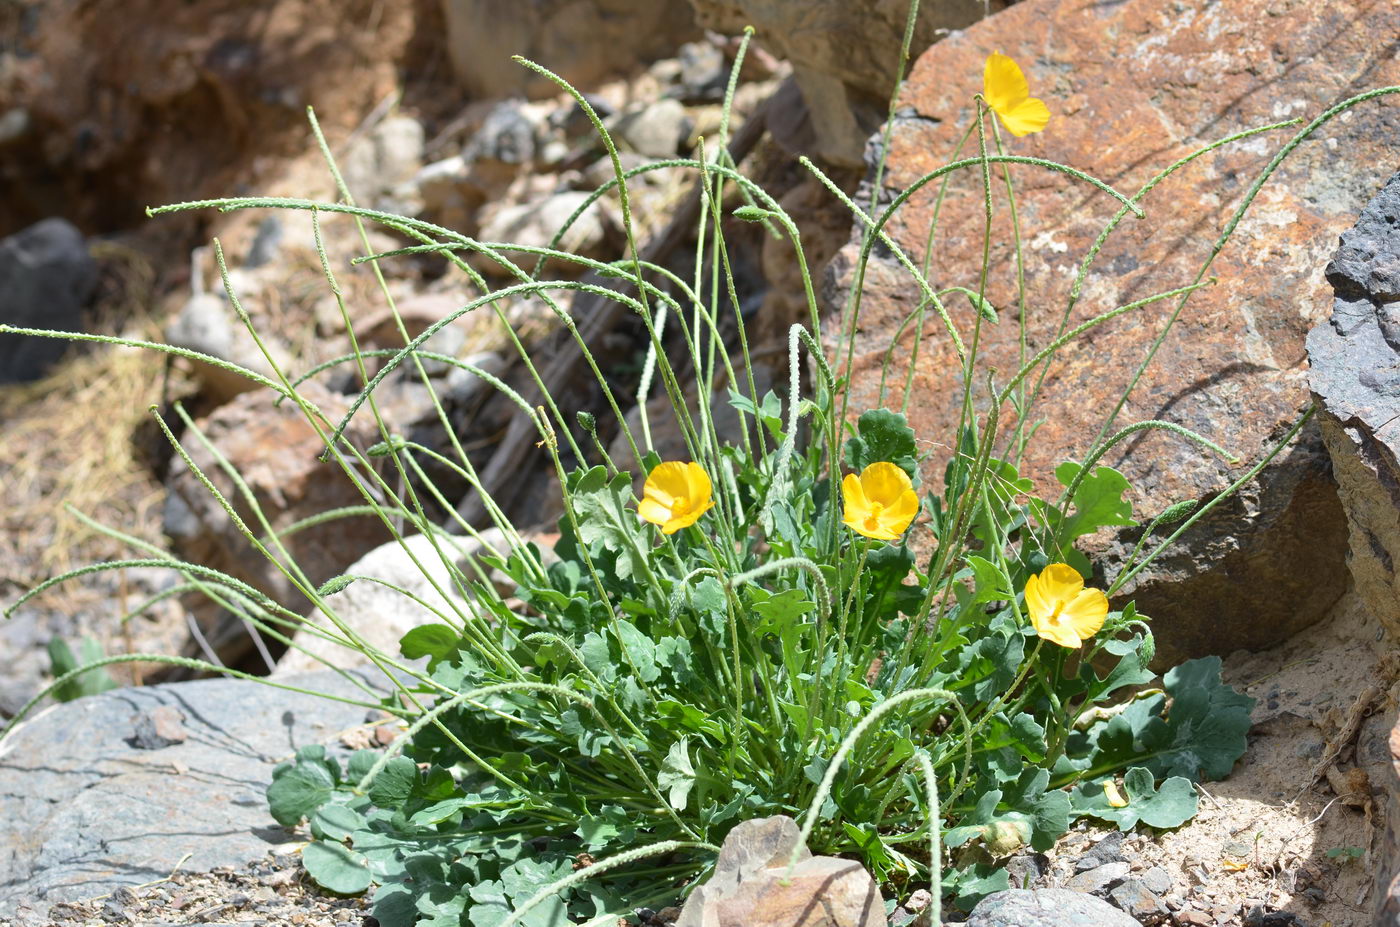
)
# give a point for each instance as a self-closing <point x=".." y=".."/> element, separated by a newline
<point x="677" y="774"/>
<point x="336" y="867"/>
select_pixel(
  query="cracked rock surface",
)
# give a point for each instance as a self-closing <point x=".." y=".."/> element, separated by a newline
<point x="1355" y="358"/>
<point x="87" y="804"/>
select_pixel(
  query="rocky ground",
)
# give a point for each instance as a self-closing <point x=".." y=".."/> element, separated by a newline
<point x="497" y="169"/>
<point x="274" y="892"/>
<point x="1294" y="837"/>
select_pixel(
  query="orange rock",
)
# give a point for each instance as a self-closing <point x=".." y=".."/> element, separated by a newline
<point x="1132" y="87"/>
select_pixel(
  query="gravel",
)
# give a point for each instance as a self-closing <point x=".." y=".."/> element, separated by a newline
<point x="271" y="892"/>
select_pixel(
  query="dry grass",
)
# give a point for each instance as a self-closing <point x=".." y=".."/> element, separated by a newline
<point x="68" y="441"/>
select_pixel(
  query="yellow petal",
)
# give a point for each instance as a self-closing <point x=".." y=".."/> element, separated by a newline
<point x="684" y="521"/>
<point x="1038" y="604"/>
<point x="898" y="516"/>
<point x="1060" y="583"/>
<point x="666" y="483"/>
<point x="1086" y="613"/>
<point x="884" y="483"/>
<point x="1025" y="117"/>
<point x="882" y="531"/>
<point x="1114" y="797"/>
<point x="698" y="486"/>
<point x="1003" y="84"/>
<point x="1057" y="632"/>
<point x="654" y="511"/>
<point x="855" y="508"/>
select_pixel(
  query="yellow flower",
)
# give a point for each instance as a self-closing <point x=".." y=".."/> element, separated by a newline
<point x="1062" y="610"/>
<point x="1005" y="89"/>
<point x="676" y="494"/>
<point x="880" y="503"/>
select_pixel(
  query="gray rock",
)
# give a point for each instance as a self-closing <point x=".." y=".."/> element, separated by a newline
<point x="1355" y="361"/>
<point x="461" y="386"/>
<point x="207" y="324"/>
<point x="842" y="52"/>
<point x="1135" y="898"/>
<point x="1157" y="880"/>
<point x="384" y="158"/>
<point x="82" y="811"/>
<point x="381" y="616"/>
<point x="1355" y="371"/>
<point x="535" y="223"/>
<point x="46" y="276"/>
<point x="437" y="182"/>
<point x="267" y="242"/>
<point x="507" y="134"/>
<point x="573" y="121"/>
<point x="14" y="125"/>
<point x="703" y="73"/>
<point x="1100" y="879"/>
<point x="601" y="171"/>
<point x="583" y="41"/>
<point x="1107" y="850"/>
<point x="506" y="143"/>
<point x="657" y="131"/>
<point x="1046" y="907"/>
<point x="1026" y="869"/>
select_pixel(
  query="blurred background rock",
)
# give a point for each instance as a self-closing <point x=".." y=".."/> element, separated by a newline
<point x="108" y="108"/>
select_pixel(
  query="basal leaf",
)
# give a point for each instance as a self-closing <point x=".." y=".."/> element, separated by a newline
<point x="1208" y="722"/>
<point x="640" y="650"/>
<point x="677" y="774"/>
<point x="62" y="661"/>
<point x="605" y="518"/>
<point x="337" y="822"/>
<point x="359" y="765"/>
<point x="599" y="657"/>
<point x="970" y="884"/>
<point x="525" y="877"/>
<point x="336" y="867"/>
<point x="991" y="584"/>
<point x="437" y="641"/>
<point x="1098" y="502"/>
<point x="300" y="787"/>
<point x="1171" y="805"/>
<point x="394" y="907"/>
<point x="883" y="435"/>
<point x="395" y="782"/>
<point x="675" y="655"/>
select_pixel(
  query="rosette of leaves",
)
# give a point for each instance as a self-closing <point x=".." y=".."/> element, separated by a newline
<point x="644" y="689"/>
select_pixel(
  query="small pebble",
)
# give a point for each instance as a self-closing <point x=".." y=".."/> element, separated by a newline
<point x="1157" y="880"/>
<point x="159" y="727"/>
<point x="1107" y="850"/>
<point x="1100" y="880"/>
<point x="1026" y="870"/>
<point x="1135" y="898"/>
<point x="900" y="917"/>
